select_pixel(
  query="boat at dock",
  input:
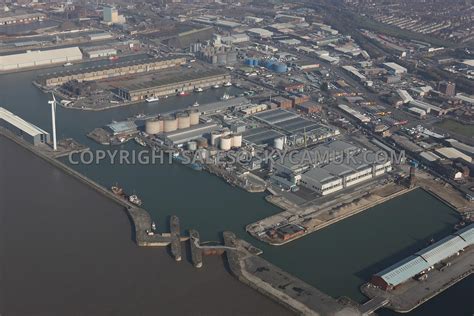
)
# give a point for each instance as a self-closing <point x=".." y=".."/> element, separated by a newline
<point x="113" y="58"/>
<point x="152" y="99"/>
<point x="228" y="84"/>
<point x="134" y="199"/>
<point x="198" y="90"/>
<point x="196" y="104"/>
<point x="216" y="86"/>
<point x="140" y="141"/>
<point x="183" y="94"/>
<point x="68" y="64"/>
<point x="117" y="190"/>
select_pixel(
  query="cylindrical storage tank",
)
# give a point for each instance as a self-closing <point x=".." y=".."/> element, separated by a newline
<point x="152" y="126"/>
<point x="192" y="145"/>
<point x="278" y="143"/>
<point x="279" y="67"/>
<point x="215" y="135"/>
<point x="249" y="61"/>
<point x="255" y="62"/>
<point x="194" y="117"/>
<point x="183" y="120"/>
<point x="201" y="142"/>
<point x="225" y="143"/>
<point x="170" y="124"/>
<point x="237" y="140"/>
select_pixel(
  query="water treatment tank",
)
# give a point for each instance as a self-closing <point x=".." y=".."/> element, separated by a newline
<point x="194" y="117"/>
<point x="237" y="140"/>
<point x="170" y="124"/>
<point x="183" y="120"/>
<point x="215" y="135"/>
<point x="225" y="143"/>
<point x="153" y="126"/>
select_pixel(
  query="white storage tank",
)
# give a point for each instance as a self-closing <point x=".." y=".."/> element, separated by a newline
<point x="215" y="135"/>
<point x="153" y="126"/>
<point x="194" y="117"/>
<point x="170" y="124"/>
<point x="183" y="120"/>
<point x="192" y="145"/>
<point x="279" y="142"/>
<point x="225" y="143"/>
<point x="237" y="140"/>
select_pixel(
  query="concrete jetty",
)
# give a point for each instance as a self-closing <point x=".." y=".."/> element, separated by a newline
<point x="279" y="285"/>
<point x="175" y="238"/>
<point x="196" y="252"/>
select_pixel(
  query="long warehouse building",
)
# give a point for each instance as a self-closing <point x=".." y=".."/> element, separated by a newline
<point x="29" y="132"/>
<point x="184" y="82"/>
<point x="106" y="71"/>
<point x="38" y="58"/>
<point x="424" y="260"/>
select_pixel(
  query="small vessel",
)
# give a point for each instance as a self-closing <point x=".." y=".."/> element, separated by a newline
<point x="225" y="97"/>
<point x="182" y="93"/>
<point x="68" y="64"/>
<point x="216" y="86"/>
<point x="135" y="199"/>
<point x="228" y="84"/>
<point x="198" y="90"/>
<point x="140" y="141"/>
<point x="140" y="115"/>
<point x="113" y="58"/>
<point x="117" y="190"/>
<point x="152" y="99"/>
<point x="196" y="103"/>
<point x="153" y="226"/>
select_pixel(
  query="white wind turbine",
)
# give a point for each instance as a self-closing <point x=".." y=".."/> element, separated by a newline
<point x="53" y="103"/>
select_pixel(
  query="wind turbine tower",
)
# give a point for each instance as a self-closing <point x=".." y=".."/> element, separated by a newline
<point x="53" y="120"/>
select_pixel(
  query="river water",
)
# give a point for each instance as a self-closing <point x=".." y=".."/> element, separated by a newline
<point x="337" y="259"/>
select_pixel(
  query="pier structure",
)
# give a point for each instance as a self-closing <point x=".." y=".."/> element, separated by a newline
<point x="279" y="285"/>
<point x="196" y="252"/>
<point x="175" y="238"/>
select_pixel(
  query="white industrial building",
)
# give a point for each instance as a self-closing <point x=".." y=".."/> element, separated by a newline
<point x="29" y="132"/>
<point x="356" y="114"/>
<point x="39" y="58"/>
<point x="395" y="69"/>
<point x="452" y="153"/>
<point x="104" y="52"/>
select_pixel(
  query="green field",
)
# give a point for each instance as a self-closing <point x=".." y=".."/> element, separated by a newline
<point x="457" y="127"/>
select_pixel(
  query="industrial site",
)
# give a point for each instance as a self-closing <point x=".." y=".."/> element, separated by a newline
<point x="325" y="119"/>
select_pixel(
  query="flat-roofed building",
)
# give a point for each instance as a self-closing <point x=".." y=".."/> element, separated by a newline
<point x="22" y="18"/>
<point x="26" y="130"/>
<point x="183" y="82"/>
<point x="39" y="58"/>
<point x="321" y="181"/>
<point x="395" y="69"/>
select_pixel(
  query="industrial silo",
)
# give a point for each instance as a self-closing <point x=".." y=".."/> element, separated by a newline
<point x="183" y="120"/>
<point x="153" y="126"/>
<point x="215" y="135"/>
<point x="192" y="145"/>
<point x="194" y="117"/>
<point x="269" y="63"/>
<point x="249" y="62"/>
<point x="279" y="142"/>
<point x="225" y="143"/>
<point x="225" y="132"/>
<point x="237" y="140"/>
<point x="170" y="124"/>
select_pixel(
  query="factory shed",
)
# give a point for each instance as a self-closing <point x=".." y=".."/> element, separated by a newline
<point x="125" y="127"/>
<point x="184" y="135"/>
<point x="467" y="233"/>
<point x="400" y="272"/>
<point x="442" y="249"/>
<point x="39" y="58"/>
<point x="22" y="128"/>
<point x="452" y="153"/>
